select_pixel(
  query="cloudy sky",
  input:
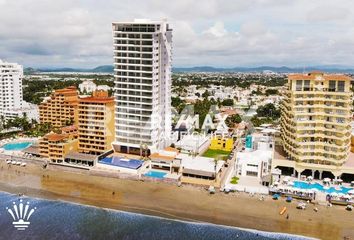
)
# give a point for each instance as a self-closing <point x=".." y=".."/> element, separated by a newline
<point x="222" y="33"/>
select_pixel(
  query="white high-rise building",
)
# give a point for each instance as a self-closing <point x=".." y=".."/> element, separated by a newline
<point x="11" y="75"/>
<point x="142" y="71"/>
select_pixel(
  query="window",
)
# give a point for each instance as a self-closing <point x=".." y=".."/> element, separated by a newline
<point x="298" y="85"/>
<point x="249" y="173"/>
<point x="307" y="85"/>
<point x="341" y="85"/>
<point x="332" y="86"/>
<point x="252" y="165"/>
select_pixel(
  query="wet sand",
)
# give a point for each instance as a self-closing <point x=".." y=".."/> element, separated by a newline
<point x="184" y="203"/>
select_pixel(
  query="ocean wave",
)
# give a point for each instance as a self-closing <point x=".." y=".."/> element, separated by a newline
<point x="57" y="219"/>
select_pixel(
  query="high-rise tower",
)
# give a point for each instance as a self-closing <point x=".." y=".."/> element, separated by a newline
<point x="142" y="70"/>
<point x="315" y="121"/>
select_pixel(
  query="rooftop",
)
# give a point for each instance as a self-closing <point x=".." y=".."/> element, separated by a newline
<point x="81" y="156"/>
<point x="198" y="163"/>
<point x="56" y="137"/>
<point x="315" y="74"/>
<point x="97" y="99"/>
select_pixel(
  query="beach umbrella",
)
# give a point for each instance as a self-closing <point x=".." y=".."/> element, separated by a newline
<point x="276" y="196"/>
<point x="310" y="178"/>
<point x="314" y="190"/>
<point x="339" y="180"/>
<point x="351" y="191"/>
<point x="326" y="180"/>
<point x="289" y="198"/>
<point x="334" y="194"/>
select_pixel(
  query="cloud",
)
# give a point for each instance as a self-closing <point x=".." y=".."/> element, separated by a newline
<point x="205" y="32"/>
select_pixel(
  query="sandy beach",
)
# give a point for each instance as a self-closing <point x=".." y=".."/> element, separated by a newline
<point x="184" y="203"/>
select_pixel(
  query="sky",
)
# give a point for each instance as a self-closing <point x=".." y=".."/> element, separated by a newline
<point x="219" y="33"/>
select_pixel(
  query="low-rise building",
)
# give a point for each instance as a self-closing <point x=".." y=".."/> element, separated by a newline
<point x="55" y="147"/>
<point x="166" y="160"/>
<point x="200" y="170"/>
<point x="87" y="86"/>
<point x="256" y="159"/>
<point x="221" y="143"/>
<point x="194" y="144"/>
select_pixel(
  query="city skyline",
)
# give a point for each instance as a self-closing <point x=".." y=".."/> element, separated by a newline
<point x="220" y="34"/>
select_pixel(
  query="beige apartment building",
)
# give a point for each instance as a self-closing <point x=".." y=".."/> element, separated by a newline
<point x="90" y="135"/>
<point x="96" y="123"/>
<point x="60" y="109"/>
<point x="316" y="113"/>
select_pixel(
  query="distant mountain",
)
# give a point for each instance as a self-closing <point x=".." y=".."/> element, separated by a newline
<point x="29" y="70"/>
<point x="104" y="69"/>
<point x="283" y="69"/>
<point x="99" y="69"/>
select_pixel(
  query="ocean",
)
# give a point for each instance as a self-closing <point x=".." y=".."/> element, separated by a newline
<point x="63" y="220"/>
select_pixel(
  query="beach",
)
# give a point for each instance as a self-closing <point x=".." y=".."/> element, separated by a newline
<point x="184" y="203"/>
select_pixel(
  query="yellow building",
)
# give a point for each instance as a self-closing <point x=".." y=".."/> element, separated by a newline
<point x="55" y="147"/>
<point x="96" y="123"/>
<point x="315" y="122"/>
<point x="60" y="109"/>
<point x="221" y="143"/>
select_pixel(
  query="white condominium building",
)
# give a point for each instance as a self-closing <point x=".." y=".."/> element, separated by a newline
<point x="142" y="68"/>
<point x="10" y="86"/>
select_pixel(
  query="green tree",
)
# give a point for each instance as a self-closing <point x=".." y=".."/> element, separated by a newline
<point x="268" y="111"/>
<point x="227" y="102"/>
<point x="231" y="120"/>
<point x="271" y="92"/>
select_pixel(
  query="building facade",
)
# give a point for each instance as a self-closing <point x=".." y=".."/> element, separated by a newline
<point x="11" y="75"/>
<point x="87" y="86"/>
<point x="142" y="71"/>
<point x="60" y="109"/>
<point x="221" y="143"/>
<point x="55" y="147"/>
<point x="96" y="123"/>
<point x="315" y="122"/>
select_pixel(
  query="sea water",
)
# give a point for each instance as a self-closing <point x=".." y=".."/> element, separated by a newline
<point x="63" y="220"/>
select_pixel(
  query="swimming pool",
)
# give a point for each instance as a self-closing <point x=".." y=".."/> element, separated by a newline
<point x="320" y="187"/>
<point x="16" y="146"/>
<point x="121" y="162"/>
<point x="155" y="174"/>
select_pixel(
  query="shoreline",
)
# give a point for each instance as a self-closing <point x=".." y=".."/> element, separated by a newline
<point x="188" y="221"/>
<point x="184" y="203"/>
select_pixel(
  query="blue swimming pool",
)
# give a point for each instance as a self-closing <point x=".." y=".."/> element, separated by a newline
<point x="121" y="162"/>
<point x="320" y="187"/>
<point x="155" y="174"/>
<point x="16" y="146"/>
